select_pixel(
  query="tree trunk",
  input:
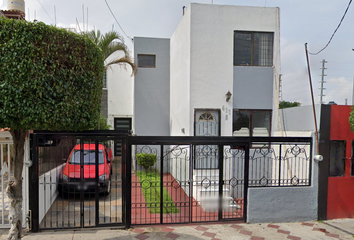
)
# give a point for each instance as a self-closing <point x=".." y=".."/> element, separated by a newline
<point x="14" y="188"/>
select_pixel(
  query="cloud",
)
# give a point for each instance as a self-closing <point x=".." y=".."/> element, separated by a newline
<point x="339" y="89"/>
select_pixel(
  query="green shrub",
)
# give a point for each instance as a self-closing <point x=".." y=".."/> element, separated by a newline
<point x="146" y="160"/>
<point x="50" y="78"/>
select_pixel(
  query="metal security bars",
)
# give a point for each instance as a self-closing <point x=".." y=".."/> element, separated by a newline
<point x="76" y="181"/>
<point x="156" y="180"/>
<point x="280" y="165"/>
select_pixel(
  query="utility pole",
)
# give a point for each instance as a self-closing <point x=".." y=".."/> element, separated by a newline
<point x="322" y="80"/>
<point x="280" y="88"/>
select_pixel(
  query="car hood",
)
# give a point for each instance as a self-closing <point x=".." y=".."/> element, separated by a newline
<point x="73" y="170"/>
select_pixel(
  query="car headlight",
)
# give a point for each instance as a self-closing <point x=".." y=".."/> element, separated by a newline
<point x="102" y="177"/>
<point x="65" y="178"/>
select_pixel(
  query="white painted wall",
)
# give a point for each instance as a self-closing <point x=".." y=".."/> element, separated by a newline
<point x="202" y="51"/>
<point x="48" y="184"/>
<point x="299" y="118"/>
<point x="120" y="85"/>
<point x="180" y="70"/>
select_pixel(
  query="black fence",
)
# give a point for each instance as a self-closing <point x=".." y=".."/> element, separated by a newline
<point x="77" y="181"/>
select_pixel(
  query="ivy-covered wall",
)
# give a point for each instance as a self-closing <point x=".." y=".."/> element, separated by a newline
<point x="50" y="78"/>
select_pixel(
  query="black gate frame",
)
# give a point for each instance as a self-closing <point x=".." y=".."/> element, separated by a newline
<point x="128" y="141"/>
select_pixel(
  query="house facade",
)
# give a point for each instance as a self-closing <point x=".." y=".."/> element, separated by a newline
<point x="217" y="75"/>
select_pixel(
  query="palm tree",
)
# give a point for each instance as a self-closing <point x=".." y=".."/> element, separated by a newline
<point x="109" y="43"/>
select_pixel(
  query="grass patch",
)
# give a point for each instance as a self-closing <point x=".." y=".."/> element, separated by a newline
<point x="150" y="185"/>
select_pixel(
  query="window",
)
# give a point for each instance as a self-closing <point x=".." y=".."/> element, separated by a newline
<point x="253" y="48"/>
<point x="145" y="60"/>
<point x="251" y="123"/>
<point x="206" y="116"/>
<point x="104" y="79"/>
<point x="337" y="159"/>
<point x="89" y="157"/>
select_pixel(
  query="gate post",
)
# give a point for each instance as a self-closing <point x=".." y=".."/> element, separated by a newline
<point x="128" y="182"/>
<point x="221" y="179"/>
<point x="246" y="179"/>
<point x="33" y="186"/>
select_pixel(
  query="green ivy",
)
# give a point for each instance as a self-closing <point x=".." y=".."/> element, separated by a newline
<point x="50" y="78"/>
<point x="351" y="120"/>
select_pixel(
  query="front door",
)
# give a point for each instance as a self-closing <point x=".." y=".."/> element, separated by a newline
<point x="206" y="124"/>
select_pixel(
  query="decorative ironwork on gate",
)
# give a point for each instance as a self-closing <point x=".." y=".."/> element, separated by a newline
<point x="167" y="187"/>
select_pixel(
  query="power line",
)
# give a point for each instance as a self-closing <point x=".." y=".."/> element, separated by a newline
<point x="346" y="10"/>
<point x="118" y="22"/>
<point x="46" y="11"/>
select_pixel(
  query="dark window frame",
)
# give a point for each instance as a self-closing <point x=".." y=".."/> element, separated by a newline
<point x="143" y="66"/>
<point x="337" y="166"/>
<point x="251" y="118"/>
<point x="253" y="48"/>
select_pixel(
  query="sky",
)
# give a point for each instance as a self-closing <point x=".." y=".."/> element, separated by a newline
<point x="301" y="21"/>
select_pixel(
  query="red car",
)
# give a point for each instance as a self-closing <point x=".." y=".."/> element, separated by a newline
<point x="70" y="178"/>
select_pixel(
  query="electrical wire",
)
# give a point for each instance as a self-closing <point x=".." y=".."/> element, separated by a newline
<point x="46" y="11"/>
<point x="346" y="10"/>
<point x="117" y="21"/>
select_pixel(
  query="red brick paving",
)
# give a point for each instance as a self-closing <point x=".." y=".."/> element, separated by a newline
<point x="294" y="238"/>
<point x="332" y="235"/>
<point x="172" y="235"/>
<point x="140" y="212"/>
<point x="200" y="228"/>
<point x="282" y="231"/>
<point x="141" y="237"/>
<point x="257" y="238"/>
<point x="273" y="226"/>
<point x="320" y="229"/>
<point x="307" y="224"/>
<point x="209" y="234"/>
<point x="238" y="227"/>
<point x="166" y="229"/>
<point x="244" y="232"/>
<point x="138" y="230"/>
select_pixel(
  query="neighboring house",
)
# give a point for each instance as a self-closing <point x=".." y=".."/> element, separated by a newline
<point x="16" y="10"/>
<point x="181" y="85"/>
<point x="336" y="171"/>
<point x="333" y="178"/>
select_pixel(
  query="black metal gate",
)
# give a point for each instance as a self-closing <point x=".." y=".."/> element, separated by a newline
<point x="76" y="180"/>
<point x="172" y="190"/>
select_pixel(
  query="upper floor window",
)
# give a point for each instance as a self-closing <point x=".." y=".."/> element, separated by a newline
<point x="253" y="48"/>
<point x="146" y="60"/>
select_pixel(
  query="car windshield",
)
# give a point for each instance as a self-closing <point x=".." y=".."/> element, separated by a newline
<point x="89" y="157"/>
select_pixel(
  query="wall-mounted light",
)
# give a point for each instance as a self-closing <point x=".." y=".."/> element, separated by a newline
<point x="228" y="96"/>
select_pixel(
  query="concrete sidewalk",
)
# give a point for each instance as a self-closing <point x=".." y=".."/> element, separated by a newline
<point x="334" y="229"/>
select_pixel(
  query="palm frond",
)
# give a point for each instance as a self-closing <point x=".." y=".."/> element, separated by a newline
<point x="123" y="62"/>
<point x="111" y="39"/>
<point x="93" y="35"/>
